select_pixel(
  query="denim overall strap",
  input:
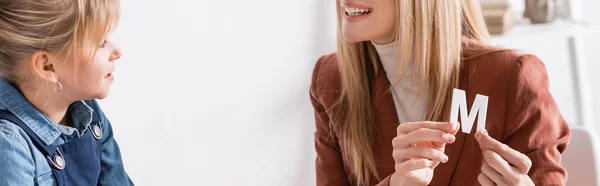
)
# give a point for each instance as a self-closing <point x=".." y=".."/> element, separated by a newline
<point x="53" y="155"/>
<point x="76" y="162"/>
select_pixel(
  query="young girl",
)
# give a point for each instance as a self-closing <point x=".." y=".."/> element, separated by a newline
<point x="381" y="101"/>
<point x="55" y="59"/>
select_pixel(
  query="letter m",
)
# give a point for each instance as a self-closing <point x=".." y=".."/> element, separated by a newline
<point x="479" y="107"/>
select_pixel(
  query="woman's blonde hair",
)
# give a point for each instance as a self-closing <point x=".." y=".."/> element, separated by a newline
<point x="72" y="29"/>
<point x="429" y="34"/>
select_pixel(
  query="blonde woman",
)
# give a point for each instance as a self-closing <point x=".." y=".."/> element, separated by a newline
<point x="382" y="101"/>
<point x="55" y="60"/>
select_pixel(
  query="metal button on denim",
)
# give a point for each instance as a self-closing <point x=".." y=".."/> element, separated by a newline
<point x="97" y="132"/>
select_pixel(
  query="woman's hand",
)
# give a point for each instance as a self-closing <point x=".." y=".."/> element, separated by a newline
<point x="502" y="165"/>
<point x="419" y="149"/>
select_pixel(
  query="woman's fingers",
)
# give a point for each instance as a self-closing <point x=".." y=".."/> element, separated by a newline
<point x="423" y="134"/>
<point x="420" y="152"/>
<point x="500" y="165"/>
<point x="407" y="166"/>
<point x="495" y="176"/>
<point x="484" y="180"/>
<point x="406" y="128"/>
<point x="513" y="157"/>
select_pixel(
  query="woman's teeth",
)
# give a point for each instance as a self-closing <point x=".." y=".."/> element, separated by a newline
<point x="357" y="11"/>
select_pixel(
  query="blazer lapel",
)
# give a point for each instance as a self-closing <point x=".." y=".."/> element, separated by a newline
<point x="444" y="173"/>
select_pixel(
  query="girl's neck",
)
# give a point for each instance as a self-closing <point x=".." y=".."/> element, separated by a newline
<point x="49" y="102"/>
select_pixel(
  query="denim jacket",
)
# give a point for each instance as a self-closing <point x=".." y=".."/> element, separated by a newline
<point x="21" y="163"/>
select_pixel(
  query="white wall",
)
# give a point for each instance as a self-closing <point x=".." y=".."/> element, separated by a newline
<point x="590" y="10"/>
<point x="592" y="86"/>
<point x="216" y="92"/>
<point x="592" y="15"/>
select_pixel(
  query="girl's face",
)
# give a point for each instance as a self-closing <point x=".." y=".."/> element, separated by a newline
<point x="368" y="20"/>
<point x="93" y="77"/>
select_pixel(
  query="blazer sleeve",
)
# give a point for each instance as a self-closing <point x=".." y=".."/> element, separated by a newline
<point x="534" y="125"/>
<point x="329" y="163"/>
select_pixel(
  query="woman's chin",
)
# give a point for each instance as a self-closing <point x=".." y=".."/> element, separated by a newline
<point x="353" y="37"/>
<point x="354" y="40"/>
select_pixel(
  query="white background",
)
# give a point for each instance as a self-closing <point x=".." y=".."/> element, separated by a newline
<point x="216" y="92"/>
<point x="592" y="15"/>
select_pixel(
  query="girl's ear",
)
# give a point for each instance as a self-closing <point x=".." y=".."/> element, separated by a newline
<point x="44" y="66"/>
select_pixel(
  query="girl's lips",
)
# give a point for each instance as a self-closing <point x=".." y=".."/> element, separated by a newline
<point x="110" y="76"/>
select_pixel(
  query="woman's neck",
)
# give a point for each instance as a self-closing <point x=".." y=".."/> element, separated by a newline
<point x="386" y="49"/>
<point x="388" y="55"/>
<point x="48" y="102"/>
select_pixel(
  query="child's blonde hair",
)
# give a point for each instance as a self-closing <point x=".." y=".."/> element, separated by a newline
<point x="69" y="28"/>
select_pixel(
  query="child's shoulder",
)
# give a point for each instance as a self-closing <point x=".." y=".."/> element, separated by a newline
<point x="11" y="134"/>
<point x="8" y="127"/>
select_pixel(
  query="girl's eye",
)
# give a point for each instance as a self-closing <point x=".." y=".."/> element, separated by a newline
<point x="103" y="44"/>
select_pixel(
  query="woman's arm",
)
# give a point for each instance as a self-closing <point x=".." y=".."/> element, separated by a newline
<point x="534" y="127"/>
<point x="329" y="163"/>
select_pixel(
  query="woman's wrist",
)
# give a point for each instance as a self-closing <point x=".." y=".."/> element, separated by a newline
<point x="396" y="180"/>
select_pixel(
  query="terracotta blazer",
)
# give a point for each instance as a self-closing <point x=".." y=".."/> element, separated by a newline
<point x="521" y="114"/>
